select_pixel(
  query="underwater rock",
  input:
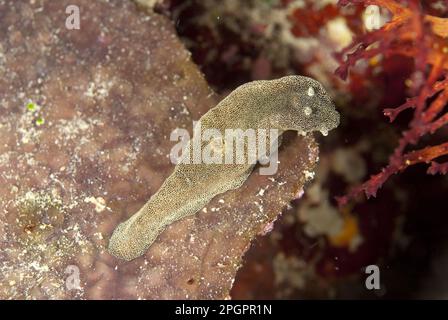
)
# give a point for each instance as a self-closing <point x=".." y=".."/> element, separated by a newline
<point x="85" y="120"/>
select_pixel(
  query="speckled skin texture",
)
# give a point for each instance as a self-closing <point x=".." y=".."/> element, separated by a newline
<point x="290" y="103"/>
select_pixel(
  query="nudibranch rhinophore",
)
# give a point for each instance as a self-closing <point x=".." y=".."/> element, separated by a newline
<point x="290" y="103"/>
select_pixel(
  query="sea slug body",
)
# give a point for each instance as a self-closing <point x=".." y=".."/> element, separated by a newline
<point x="290" y="103"/>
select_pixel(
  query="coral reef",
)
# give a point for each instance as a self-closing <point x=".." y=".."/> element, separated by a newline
<point x="258" y="39"/>
<point x="412" y="33"/>
<point x="268" y="39"/>
<point x="85" y="120"/>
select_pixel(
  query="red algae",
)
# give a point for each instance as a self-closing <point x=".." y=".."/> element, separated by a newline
<point x="423" y="37"/>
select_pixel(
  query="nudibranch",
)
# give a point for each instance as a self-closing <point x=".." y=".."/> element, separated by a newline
<point x="290" y="103"/>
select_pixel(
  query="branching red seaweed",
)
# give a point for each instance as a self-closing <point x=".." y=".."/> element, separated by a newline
<point x="423" y="37"/>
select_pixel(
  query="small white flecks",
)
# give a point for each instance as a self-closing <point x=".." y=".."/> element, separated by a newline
<point x="260" y="206"/>
<point x="324" y="132"/>
<point x="221" y="200"/>
<point x="307" y="111"/>
<point x="311" y="92"/>
<point x="300" y="194"/>
<point x="268" y="228"/>
<point x="99" y="88"/>
<point x="100" y="203"/>
<point x="99" y="235"/>
<point x="372" y="18"/>
<point x="308" y="174"/>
